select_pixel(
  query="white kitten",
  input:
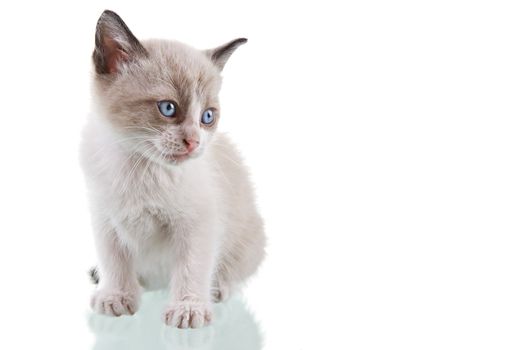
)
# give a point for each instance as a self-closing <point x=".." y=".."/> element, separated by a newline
<point x="172" y="204"/>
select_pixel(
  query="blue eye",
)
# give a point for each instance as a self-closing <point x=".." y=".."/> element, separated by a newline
<point x="207" y="117"/>
<point x="167" y="108"/>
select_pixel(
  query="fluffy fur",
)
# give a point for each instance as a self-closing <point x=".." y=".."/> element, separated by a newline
<point x="165" y="214"/>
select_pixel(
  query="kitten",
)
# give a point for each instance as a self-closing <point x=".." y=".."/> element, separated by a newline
<point x="172" y="204"/>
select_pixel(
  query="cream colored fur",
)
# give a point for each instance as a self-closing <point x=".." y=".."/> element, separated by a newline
<point x="190" y="225"/>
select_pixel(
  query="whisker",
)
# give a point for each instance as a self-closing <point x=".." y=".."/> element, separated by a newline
<point x="119" y="141"/>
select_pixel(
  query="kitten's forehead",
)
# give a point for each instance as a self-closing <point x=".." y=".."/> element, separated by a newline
<point x="183" y="69"/>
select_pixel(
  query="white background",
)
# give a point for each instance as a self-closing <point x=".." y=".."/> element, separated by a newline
<point x="386" y="141"/>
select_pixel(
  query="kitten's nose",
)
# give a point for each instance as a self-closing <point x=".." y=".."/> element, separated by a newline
<point x="191" y="144"/>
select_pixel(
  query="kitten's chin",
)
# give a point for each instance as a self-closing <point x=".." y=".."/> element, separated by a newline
<point x="175" y="159"/>
<point x="171" y="160"/>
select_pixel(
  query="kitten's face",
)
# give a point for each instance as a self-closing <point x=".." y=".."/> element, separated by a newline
<point x="165" y="104"/>
<point x="161" y="97"/>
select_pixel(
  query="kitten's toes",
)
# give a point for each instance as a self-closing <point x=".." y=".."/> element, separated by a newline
<point x="188" y="313"/>
<point x="115" y="303"/>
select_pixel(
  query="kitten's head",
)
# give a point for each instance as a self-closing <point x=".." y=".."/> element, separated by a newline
<point x="161" y="97"/>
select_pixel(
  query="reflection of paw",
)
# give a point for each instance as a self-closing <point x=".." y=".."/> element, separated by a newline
<point x="113" y="327"/>
<point x="115" y="303"/>
<point x="202" y="338"/>
<point x="188" y="313"/>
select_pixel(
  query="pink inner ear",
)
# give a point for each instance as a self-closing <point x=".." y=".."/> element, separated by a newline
<point x="113" y="55"/>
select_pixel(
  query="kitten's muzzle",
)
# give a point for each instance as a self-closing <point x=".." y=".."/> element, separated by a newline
<point x="191" y="144"/>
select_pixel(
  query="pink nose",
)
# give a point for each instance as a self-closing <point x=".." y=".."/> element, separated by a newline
<point x="191" y="144"/>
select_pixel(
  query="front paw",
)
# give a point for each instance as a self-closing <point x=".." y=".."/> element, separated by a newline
<point x="115" y="302"/>
<point x="188" y="313"/>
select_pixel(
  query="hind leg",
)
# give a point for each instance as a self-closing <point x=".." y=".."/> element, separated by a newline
<point x="237" y="265"/>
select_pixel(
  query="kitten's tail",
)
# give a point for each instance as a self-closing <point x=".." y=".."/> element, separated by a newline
<point x="93" y="275"/>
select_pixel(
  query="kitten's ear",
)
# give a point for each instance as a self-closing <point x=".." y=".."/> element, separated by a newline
<point x="220" y="54"/>
<point x="114" y="44"/>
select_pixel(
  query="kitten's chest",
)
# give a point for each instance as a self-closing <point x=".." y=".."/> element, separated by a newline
<point x="149" y="211"/>
<point x="148" y="195"/>
<point x="147" y="226"/>
<point x="157" y="204"/>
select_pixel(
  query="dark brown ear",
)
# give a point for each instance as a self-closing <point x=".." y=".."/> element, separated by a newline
<point x="220" y="55"/>
<point x="114" y="44"/>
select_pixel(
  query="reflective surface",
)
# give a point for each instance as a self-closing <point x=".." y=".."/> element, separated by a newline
<point x="233" y="328"/>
